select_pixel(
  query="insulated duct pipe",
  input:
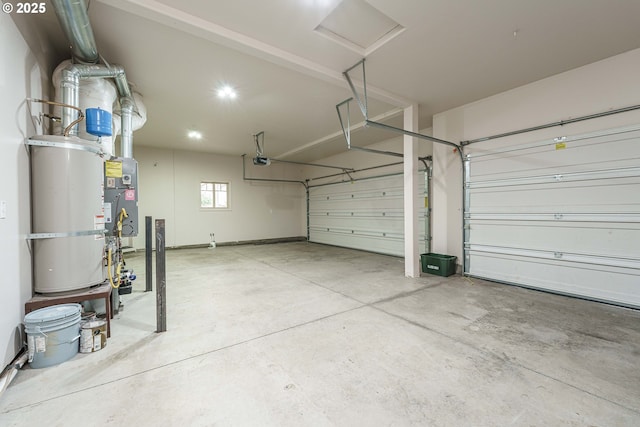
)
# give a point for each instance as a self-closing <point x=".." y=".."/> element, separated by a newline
<point x="74" y="20"/>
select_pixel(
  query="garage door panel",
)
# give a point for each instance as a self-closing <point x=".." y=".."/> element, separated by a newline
<point x="353" y="205"/>
<point x="608" y="195"/>
<point x="565" y="220"/>
<point x="600" y="239"/>
<point x="389" y="245"/>
<point x="560" y="178"/>
<point x="366" y="214"/>
<point x="359" y="224"/>
<point x="496" y="171"/>
<point x="359" y="189"/>
<point x="504" y="146"/>
<point x="394" y="182"/>
<point x="571" y="278"/>
<point x="586" y="154"/>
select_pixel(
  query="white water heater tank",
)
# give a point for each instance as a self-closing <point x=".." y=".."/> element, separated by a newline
<point x="67" y="211"/>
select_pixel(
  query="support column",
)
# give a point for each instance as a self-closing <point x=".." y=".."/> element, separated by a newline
<point x="411" y="225"/>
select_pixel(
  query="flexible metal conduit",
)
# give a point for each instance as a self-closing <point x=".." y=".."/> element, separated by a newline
<point x="549" y="125"/>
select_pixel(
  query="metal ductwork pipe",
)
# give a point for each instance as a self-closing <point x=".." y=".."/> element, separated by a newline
<point x="73" y="17"/>
<point x="126" y="133"/>
<point x="69" y="85"/>
<point x="74" y="20"/>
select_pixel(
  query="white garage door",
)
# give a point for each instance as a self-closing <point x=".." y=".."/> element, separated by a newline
<point x="366" y="214"/>
<point x="561" y="215"/>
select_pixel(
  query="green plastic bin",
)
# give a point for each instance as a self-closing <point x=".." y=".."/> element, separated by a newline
<point x="441" y="265"/>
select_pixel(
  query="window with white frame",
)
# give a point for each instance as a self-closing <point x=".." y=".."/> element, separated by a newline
<point x="214" y="195"/>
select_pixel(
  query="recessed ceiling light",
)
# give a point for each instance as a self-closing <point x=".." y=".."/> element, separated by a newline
<point x="194" y="134"/>
<point x="227" y="92"/>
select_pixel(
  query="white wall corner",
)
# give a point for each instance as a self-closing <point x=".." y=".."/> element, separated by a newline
<point x="446" y="197"/>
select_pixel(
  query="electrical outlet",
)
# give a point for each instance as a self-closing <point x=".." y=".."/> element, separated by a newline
<point x="3" y="209"/>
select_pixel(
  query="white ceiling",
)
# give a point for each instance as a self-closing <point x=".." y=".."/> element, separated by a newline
<point x="288" y="76"/>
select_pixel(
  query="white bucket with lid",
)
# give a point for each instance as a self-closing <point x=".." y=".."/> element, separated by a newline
<point x="52" y="334"/>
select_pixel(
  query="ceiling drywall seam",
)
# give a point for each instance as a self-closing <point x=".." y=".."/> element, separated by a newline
<point x="202" y="28"/>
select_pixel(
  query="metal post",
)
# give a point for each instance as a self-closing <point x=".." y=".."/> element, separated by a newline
<point x="307" y="191"/>
<point x="161" y="291"/>
<point x="466" y="220"/>
<point x="148" y="250"/>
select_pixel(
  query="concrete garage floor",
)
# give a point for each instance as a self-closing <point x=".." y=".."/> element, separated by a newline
<point x="310" y="335"/>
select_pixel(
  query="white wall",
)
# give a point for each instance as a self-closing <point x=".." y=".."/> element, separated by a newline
<point x="169" y="183"/>
<point x="598" y="87"/>
<point x="20" y="77"/>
